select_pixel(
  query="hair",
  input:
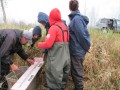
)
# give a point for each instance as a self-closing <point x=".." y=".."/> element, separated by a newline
<point x="73" y="5"/>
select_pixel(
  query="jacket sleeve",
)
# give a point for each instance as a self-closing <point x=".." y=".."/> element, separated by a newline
<point x="81" y="33"/>
<point x="22" y="53"/>
<point x="5" y="48"/>
<point x="49" y="40"/>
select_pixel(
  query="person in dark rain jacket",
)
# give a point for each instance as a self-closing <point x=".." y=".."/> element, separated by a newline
<point x="44" y="20"/>
<point x="11" y="41"/>
<point x="79" y="43"/>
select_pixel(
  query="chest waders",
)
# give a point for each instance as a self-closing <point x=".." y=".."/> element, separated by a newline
<point x="58" y="64"/>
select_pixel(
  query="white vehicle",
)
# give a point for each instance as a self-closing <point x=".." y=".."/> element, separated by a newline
<point x="108" y="24"/>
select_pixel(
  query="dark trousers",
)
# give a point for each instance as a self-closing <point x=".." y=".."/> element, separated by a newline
<point x="77" y="71"/>
<point x="5" y="69"/>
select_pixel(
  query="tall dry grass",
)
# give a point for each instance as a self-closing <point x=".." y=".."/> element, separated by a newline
<point x="101" y="66"/>
<point x="14" y="25"/>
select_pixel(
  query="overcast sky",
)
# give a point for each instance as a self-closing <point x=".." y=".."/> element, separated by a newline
<point x="27" y="10"/>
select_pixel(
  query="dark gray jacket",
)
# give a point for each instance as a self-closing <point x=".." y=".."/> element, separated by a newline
<point x="9" y="44"/>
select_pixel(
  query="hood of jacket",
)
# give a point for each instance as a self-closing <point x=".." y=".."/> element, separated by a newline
<point x="54" y="16"/>
<point x="85" y="18"/>
<point x="42" y="17"/>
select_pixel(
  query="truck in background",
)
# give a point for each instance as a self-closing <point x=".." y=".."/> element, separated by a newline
<point x="105" y="24"/>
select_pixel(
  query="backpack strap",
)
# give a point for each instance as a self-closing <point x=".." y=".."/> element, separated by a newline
<point x="63" y="31"/>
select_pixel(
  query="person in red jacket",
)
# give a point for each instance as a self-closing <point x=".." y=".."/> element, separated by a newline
<point x="58" y="58"/>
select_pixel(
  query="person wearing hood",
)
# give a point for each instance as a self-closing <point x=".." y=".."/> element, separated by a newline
<point x="79" y="43"/>
<point x="44" y="20"/>
<point x="11" y="41"/>
<point x="58" y="58"/>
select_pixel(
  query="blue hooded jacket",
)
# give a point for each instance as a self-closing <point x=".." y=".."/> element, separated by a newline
<point x="42" y="17"/>
<point x="79" y="35"/>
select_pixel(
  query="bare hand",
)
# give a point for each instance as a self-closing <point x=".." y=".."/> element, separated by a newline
<point x="14" y="67"/>
<point x="31" y="61"/>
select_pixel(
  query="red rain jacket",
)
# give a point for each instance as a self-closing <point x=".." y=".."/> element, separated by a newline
<point x="54" y="33"/>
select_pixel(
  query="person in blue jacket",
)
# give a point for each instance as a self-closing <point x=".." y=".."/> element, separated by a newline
<point x="44" y="20"/>
<point x="79" y="42"/>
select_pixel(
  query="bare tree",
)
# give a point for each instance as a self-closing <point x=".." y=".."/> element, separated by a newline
<point x="3" y="10"/>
